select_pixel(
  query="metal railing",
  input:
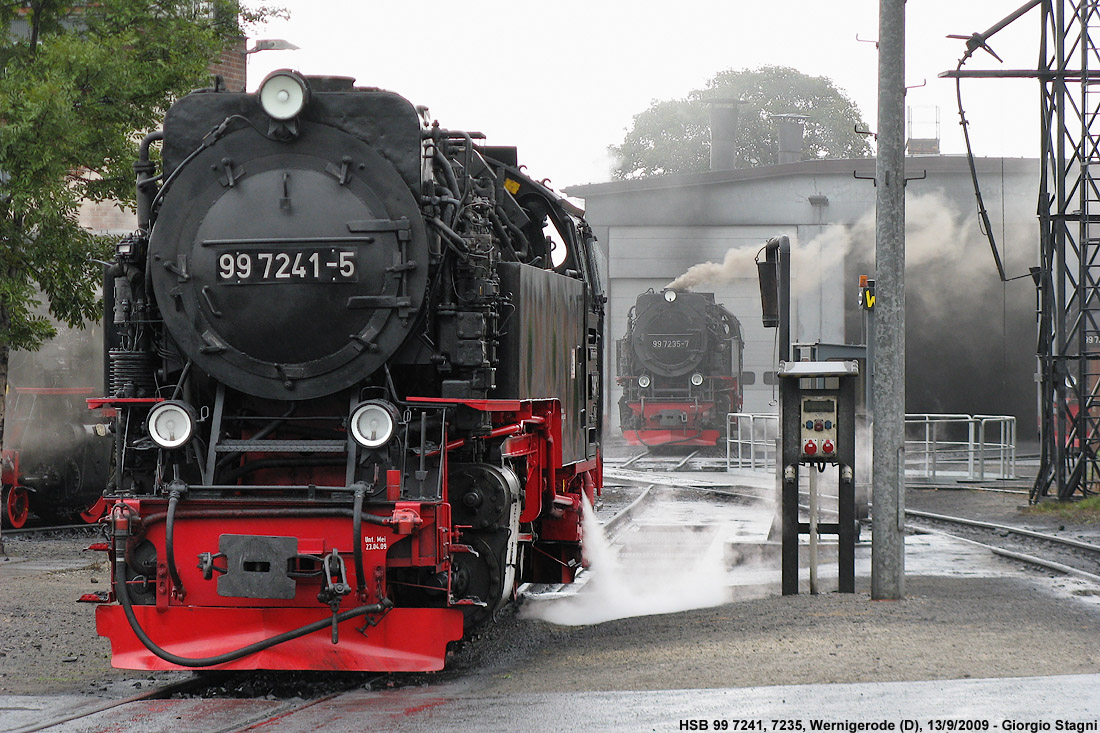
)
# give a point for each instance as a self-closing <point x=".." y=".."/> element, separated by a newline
<point x="947" y="446"/>
<point x="975" y="447"/>
<point x="751" y="440"/>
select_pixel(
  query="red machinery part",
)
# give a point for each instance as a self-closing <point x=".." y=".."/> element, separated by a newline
<point x="810" y="448"/>
<point x="671" y="437"/>
<point x="96" y="511"/>
<point x="404" y="639"/>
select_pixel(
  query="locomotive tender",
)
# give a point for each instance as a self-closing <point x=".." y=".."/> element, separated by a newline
<point x="355" y="370"/>
<point x="680" y="367"/>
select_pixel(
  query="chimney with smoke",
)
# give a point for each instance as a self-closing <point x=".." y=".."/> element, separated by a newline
<point x="791" y="128"/>
<point x="723" y="133"/>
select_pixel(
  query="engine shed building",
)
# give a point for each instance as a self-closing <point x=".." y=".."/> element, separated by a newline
<point x="970" y="338"/>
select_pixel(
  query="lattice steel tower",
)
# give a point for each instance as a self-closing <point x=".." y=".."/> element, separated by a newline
<point x="1069" y="265"/>
<point x="1068" y="275"/>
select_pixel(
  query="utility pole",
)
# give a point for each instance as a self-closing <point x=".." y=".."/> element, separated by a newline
<point x="888" y="385"/>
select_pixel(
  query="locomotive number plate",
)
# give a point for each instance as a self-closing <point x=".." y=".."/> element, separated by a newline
<point x="300" y="265"/>
<point x="671" y="343"/>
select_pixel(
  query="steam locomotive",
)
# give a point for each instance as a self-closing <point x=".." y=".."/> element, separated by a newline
<point x="355" y="367"/>
<point x="679" y="365"/>
<point x="56" y="453"/>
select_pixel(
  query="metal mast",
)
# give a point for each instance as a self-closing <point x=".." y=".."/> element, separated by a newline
<point x="1069" y="272"/>
<point x="1068" y="275"/>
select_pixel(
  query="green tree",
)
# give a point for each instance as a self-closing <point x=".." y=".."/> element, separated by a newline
<point x="673" y="136"/>
<point x="77" y="84"/>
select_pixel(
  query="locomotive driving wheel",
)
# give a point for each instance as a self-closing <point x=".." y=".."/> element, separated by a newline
<point x="17" y="506"/>
<point x="478" y="578"/>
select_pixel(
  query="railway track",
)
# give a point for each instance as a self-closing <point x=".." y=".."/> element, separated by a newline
<point x="1063" y="554"/>
<point x="48" y="528"/>
<point x="218" y="702"/>
<point x="86" y="714"/>
<point x="638" y="514"/>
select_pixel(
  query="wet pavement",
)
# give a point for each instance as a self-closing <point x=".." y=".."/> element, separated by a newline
<point x="978" y="639"/>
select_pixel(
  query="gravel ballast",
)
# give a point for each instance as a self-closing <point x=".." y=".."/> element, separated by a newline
<point x="1013" y="623"/>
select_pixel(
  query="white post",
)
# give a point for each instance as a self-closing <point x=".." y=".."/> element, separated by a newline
<point x="812" y="470"/>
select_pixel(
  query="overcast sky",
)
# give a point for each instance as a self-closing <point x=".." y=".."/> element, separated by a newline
<point x="562" y="80"/>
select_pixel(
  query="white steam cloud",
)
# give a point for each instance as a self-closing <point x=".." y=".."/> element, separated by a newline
<point x="935" y="233"/>
<point x="652" y="579"/>
<point x="737" y="262"/>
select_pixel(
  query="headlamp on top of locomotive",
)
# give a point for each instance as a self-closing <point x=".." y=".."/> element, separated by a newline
<point x="670" y="296"/>
<point x="284" y="94"/>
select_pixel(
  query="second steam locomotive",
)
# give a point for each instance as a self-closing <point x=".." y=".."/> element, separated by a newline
<point x="355" y="366"/>
<point x="680" y="366"/>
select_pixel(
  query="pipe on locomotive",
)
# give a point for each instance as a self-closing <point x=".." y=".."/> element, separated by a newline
<point x="143" y="170"/>
<point x="170" y="539"/>
<point x="357" y="536"/>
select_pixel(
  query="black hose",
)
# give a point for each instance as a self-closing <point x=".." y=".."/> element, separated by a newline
<point x="123" y="592"/>
<point x="170" y="543"/>
<point x="973" y="43"/>
<point x="183" y="376"/>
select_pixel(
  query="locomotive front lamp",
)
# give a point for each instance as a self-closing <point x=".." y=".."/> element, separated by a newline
<point x="171" y="424"/>
<point x="373" y="423"/>
<point x="697" y="379"/>
<point x="670" y="295"/>
<point x="283" y="94"/>
<point x="643" y="381"/>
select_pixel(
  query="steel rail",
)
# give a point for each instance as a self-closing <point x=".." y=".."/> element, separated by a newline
<point x="46" y="528"/>
<point x="156" y="693"/>
<point x="1077" y="544"/>
<point x="1022" y="557"/>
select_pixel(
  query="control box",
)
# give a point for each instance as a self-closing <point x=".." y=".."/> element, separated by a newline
<point x="818" y="429"/>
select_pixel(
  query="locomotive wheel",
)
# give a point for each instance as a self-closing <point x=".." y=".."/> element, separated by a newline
<point x="478" y="576"/>
<point x="17" y="506"/>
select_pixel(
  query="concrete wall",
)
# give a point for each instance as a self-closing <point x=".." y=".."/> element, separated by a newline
<point x="971" y="338"/>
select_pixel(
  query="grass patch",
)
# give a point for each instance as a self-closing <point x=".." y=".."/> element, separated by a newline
<point x="1083" y="511"/>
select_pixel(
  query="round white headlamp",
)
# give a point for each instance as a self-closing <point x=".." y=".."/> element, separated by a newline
<point x="670" y="295"/>
<point x="171" y="424"/>
<point x="283" y="94"/>
<point x="373" y="423"/>
<point x="643" y="381"/>
<point x="697" y="379"/>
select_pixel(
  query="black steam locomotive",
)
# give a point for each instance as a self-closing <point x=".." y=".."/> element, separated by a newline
<point x="355" y="362"/>
<point x="679" y="365"/>
<point x="56" y="452"/>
